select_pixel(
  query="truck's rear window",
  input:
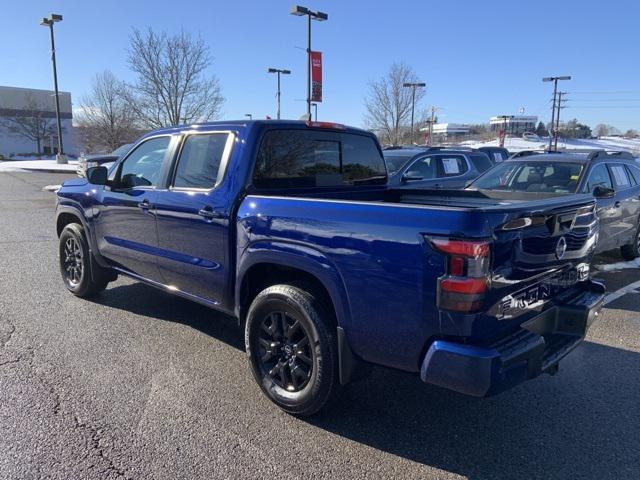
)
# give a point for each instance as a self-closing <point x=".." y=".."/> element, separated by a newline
<point x="313" y="158"/>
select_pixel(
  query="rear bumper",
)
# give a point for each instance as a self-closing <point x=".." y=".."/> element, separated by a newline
<point x="536" y="348"/>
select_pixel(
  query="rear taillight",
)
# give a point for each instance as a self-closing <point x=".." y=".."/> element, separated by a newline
<point x="466" y="281"/>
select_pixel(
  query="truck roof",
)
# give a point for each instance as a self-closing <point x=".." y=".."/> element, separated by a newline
<point x="236" y="124"/>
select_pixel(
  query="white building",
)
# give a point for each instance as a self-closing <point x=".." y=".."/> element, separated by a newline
<point x="515" y="125"/>
<point x="445" y="131"/>
<point x="28" y="117"/>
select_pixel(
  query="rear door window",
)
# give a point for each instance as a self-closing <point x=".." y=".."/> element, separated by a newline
<point x="481" y="161"/>
<point x="200" y="162"/>
<point x="451" y="165"/>
<point x="313" y="158"/>
<point x="620" y="177"/>
<point x="634" y="175"/>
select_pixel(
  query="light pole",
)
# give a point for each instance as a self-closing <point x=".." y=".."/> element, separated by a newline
<point x="315" y="109"/>
<point x="283" y="72"/>
<point x="554" y="132"/>
<point x="48" y="22"/>
<point x="413" y="86"/>
<point x="249" y="116"/>
<point x="319" y="16"/>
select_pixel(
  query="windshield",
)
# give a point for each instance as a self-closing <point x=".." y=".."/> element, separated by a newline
<point x="552" y="177"/>
<point x="395" y="162"/>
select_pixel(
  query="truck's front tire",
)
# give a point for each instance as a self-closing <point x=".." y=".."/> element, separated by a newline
<point x="82" y="276"/>
<point x="292" y="349"/>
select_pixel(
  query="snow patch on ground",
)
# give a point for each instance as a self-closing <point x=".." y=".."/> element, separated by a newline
<point x="612" y="267"/>
<point x="46" y="165"/>
<point x="517" y="144"/>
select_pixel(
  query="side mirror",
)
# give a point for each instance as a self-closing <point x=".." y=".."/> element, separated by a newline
<point x="603" y="192"/>
<point x="411" y="177"/>
<point x="97" y="175"/>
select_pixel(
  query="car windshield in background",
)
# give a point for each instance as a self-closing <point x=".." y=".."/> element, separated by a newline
<point x="122" y="149"/>
<point x="396" y="162"/>
<point x="537" y="177"/>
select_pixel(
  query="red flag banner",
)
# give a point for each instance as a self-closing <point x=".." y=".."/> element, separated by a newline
<point x="316" y="76"/>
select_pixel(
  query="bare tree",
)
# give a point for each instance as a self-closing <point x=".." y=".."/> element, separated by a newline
<point x="388" y="105"/>
<point x="172" y="86"/>
<point x="106" y="120"/>
<point x="602" y="130"/>
<point x="34" y="122"/>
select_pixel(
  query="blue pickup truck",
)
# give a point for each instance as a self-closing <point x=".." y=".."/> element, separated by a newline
<point x="291" y="228"/>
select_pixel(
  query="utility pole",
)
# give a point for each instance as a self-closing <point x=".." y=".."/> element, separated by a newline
<point x="433" y="114"/>
<point x="557" y="129"/>
<point x="554" y="134"/>
<point x="413" y="86"/>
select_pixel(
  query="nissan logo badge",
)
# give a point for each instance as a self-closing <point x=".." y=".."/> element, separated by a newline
<point x="561" y="248"/>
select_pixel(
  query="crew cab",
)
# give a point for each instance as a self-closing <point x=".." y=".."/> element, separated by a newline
<point x="292" y="228"/>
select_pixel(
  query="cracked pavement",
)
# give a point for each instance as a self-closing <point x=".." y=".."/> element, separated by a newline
<point x="139" y="384"/>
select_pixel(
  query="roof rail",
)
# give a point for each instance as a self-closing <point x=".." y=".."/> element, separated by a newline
<point x="526" y="153"/>
<point x="609" y="154"/>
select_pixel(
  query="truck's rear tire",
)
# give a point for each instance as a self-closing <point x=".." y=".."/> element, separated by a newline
<point x="80" y="273"/>
<point x="632" y="251"/>
<point x="292" y="349"/>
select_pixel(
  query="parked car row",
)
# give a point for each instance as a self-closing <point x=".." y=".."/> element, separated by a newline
<point x="294" y="228"/>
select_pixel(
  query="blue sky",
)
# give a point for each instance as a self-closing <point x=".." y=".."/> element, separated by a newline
<point x="478" y="58"/>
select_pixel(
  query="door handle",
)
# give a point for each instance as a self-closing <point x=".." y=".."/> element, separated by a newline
<point x="617" y="204"/>
<point x="208" y="213"/>
<point x="144" y="204"/>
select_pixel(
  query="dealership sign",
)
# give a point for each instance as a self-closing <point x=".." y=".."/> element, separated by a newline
<point x="316" y="76"/>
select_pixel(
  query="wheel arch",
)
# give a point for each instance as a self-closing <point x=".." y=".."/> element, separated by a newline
<point x="268" y="264"/>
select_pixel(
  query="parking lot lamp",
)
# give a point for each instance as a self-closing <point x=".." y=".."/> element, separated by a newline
<point x="48" y="22"/>
<point x="321" y="17"/>
<point x="279" y="71"/>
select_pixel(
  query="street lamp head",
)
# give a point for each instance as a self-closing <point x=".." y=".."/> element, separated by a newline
<point x="551" y="79"/>
<point x="50" y="20"/>
<point x="285" y="72"/>
<point x="414" y="84"/>
<point x="319" y="16"/>
<point x="272" y="70"/>
<point x="299" y="11"/>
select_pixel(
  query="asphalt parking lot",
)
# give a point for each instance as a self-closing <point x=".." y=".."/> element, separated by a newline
<point x="139" y="384"/>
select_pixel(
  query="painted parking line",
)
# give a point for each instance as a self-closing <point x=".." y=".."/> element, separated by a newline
<point x="621" y="292"/>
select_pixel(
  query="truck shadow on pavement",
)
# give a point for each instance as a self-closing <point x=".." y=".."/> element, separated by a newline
<point x="581" y="423"/>
<point x="147" y="301"/>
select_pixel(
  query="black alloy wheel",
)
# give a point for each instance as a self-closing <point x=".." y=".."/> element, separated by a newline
<point x="285" y="352"/>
